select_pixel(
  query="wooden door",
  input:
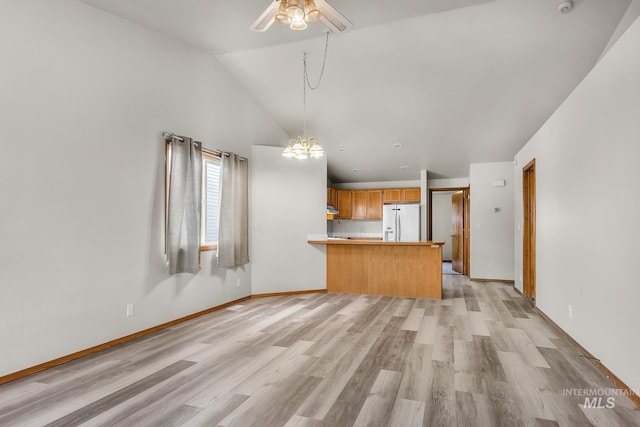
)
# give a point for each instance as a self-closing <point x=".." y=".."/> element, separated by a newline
<point x="374" y="204"/>
<point x="410" y="195"/>
<point x="331" y="197"/>
<point x="457" y="237"/>
<point x="359" y="204"/>
<point x="391" y="195"/>
<point x="344" y="204"/>
<point x="529" y="230"/>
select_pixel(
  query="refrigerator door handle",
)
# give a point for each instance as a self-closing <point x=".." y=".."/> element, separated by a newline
<point x="398" y="229"/>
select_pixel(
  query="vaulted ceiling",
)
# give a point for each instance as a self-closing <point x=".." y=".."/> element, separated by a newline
<point x="454" y="81"/>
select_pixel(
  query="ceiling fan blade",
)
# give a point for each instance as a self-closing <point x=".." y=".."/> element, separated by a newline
<point x="266" y="19"/>
<point x="332" y="18"/>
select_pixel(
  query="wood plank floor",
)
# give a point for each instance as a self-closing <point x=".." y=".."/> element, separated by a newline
<point x="479" y="357"/>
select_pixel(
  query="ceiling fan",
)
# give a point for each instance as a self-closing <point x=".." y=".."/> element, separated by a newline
<point x="298" y="13"/>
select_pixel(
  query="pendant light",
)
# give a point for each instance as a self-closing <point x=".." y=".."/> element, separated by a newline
<point x="301" y="147"/>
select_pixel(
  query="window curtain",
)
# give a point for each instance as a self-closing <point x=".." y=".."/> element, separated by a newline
<point x="184" y="206"/>
<point x="233" y="227"/>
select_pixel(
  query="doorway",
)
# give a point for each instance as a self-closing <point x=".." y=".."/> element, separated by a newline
<point x="529" y="230"/>
<point x="449" y="213"/>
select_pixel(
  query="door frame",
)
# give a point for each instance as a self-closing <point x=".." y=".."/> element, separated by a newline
<point x="465" y="223"/>
<point x="529" y="230"/>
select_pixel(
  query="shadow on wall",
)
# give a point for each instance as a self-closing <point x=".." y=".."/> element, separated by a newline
<point x="157" y="271"/>
<point x="222" y="272"/>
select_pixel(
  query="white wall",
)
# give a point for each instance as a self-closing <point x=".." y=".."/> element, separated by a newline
<point x="424" y="205"/>
<point x="376" y="184"/>
<point x="449" y="183"/>
<point x="288" y="203"/>
<point x="85" y="97"/>
<point x="442" y="224"/>
<point x="491" y="232"/>
<point x="587" y="210"/>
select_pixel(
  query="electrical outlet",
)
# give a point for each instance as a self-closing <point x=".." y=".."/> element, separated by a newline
<point x="570" y="311"/>
<point x="237" y="283"/>
<point x="129" y="310"/>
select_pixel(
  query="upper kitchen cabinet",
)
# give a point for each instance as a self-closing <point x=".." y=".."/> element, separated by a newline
<point x="374" y="204"/>
<point x="332" y="197"/>
<point x="410" y="195"/>
<point x="391" y="195"/>
<point x="359" y="204"/>
<point x="401" y="195"/>
<point x="367" y="204"/>
<point x="344" y="204"/>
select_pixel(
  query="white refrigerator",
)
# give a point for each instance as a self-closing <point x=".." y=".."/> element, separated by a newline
<point x="401" y="222"/>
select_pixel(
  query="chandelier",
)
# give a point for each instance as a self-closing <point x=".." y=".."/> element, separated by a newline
<point x="297" y="13"/>
<point x="301" y="147"/>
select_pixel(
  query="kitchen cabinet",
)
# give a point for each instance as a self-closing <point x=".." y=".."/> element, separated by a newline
<point x="391" y="195"/>
<point x="374" y="204"/>
<point x="366" y="204"/>
<point x="410" y="195"/>
<point x="359" y="204"/>
<point x="401" y="195"/>
<point x="332" y="197"/>
<point x="344" y="204"/>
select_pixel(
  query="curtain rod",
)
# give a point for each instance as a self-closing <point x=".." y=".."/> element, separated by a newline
<point x="168" y="136"/>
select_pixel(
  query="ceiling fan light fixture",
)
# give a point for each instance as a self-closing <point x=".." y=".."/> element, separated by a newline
<point x="311" y="12"/>
<point x="294" y="9"/>
<point x="294" y="12"/>
<point x="282" y="17"/>
<point x="297" y="23"/>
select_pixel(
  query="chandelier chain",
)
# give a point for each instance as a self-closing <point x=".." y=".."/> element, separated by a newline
<point x="306" y="83"/>
<point x="324" y="62"/>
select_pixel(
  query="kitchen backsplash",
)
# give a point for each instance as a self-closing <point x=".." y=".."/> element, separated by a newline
<point x="347" y="228"/>
<point x="359" y="235"/>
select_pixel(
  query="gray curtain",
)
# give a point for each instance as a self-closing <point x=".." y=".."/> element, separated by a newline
<point x="233" y="229"/>
<point x="184" y="206"/>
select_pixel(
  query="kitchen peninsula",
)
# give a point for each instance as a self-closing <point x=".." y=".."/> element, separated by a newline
<point x="375" y="267"/>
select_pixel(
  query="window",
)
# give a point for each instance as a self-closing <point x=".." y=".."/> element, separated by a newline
<point x="210" y="196"/>
<point x="210" y="200"/>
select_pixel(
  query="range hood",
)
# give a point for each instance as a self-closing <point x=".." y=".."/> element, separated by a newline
<point x="331" y="210"/>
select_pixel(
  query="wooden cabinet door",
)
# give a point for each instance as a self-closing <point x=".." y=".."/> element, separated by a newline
<point x="344" y="204"/>
<point x="332" y="199"/>
<point x="391" y="195"/>
<point x="359" y="204"/>
<point x="374" y="204"/>
<point x="410" y="195"/>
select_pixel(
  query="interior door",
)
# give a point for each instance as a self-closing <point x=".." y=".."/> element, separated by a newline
<point x="529" y="230"/>
<point x="457" y="235"/>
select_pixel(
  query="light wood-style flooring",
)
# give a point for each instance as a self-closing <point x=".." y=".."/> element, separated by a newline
<point x="479" y="357"/>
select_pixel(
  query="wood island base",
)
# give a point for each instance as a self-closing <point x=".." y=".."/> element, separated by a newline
<point x="405" y="269"/>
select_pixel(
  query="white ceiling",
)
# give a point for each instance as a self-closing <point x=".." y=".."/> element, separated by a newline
<point x="455" y="81"/>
